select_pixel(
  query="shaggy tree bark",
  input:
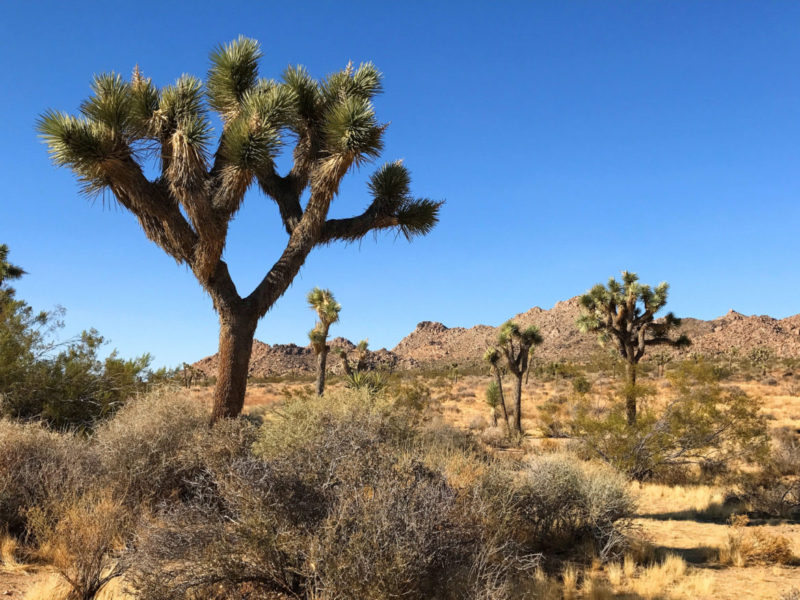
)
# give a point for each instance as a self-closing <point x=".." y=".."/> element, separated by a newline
<point x="322" y="360"/>
<point x="630" y="392"/>
<point x="499" y="380"/>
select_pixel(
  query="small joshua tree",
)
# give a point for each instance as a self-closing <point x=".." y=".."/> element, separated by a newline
<point x="517" y="345"/>
<point x="623" y="313"/>
<point x="360" y="359"/>
<point x="760" y="358"/>
<point x="661" y="360"/>
<point x="493" y="400"/>
<point x="492" y="356"/>
<point x="327" y="309"/>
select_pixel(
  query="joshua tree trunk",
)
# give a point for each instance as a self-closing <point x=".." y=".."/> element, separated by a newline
<point x="518" y="404"/>
<point x="348" y="370"/>
<point x="322" y="359"/>
<point x="236" y="331"/>
<point x="630" y="392"/>
<point x="502" y="400"/>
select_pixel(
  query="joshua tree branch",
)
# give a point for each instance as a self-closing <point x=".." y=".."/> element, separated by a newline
<point x="285" y="191"/>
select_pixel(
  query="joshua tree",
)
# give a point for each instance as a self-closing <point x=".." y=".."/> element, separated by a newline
<point x="492" y="356"/>
<point x="760" y="357"/>
<point x="8" y="272"/>
<point x="361" y="358"/>
<point x="187" y="207"/>
<point x="323" y="302"/>
<point x="516" y="346"/>
<point x="661" y="359"/>
<point x="493" y="400"/>
<point x="624" y="313"/>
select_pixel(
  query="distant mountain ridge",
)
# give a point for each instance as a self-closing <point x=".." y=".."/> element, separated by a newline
<point x="433" y="344"/>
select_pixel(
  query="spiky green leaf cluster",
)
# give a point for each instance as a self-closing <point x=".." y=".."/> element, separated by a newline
<point x="492" y="356"/>
<point x="390" y="186"/>
<point x="8" y="272"/>
<point x="110" y="104"/>
<point x="87" y="147"/>
<point x="527" y="337"/>
<point x="325" y="305"/>
<point x="493" y="394"/>
<point x="233" y="73"/>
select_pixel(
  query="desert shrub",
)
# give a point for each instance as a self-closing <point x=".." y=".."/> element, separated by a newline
<point x="38" y="469"/>
<point x="745" y="547"/>
<point x="551" y="417"/>
<point x="350" y="496"/>
<point x="327" y="502"/>
<point x="557" y="369"/>
<point x="414" y="395"/>
<point x="581" y="385"/>
<point x="704" y="424"/>
<point x="568" y="500"/>
<point x="774" y="491"/>
<point x="786" y="452"/>
<point x="148" y="449"/>
<point x="82" y="539"/>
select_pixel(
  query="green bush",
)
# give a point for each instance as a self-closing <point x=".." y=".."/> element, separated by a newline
<point x="703" y="424"/>
<point x="65" y="384"/>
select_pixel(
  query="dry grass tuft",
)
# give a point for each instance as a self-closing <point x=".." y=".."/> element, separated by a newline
<point x="699" y="584"/>
<point x="569" y="581"/>
<point x="755" y="547"/>
<point x="629" y="566"/>
<point x="595" y="588"/>
<point x="9" y="554"/>
<point x="615" y="573"/>
<point x="53" y="587"/>
<point x="544" y="587"/>
<point x="654" y="580"/>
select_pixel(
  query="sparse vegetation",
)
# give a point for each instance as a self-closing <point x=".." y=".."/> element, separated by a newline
<point x="703" y="424"/>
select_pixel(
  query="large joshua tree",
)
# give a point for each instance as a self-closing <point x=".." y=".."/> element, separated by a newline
<point x="187" y="206"/>
<point x="327" y="309"/>
<point x="516" y="345"/>
<point x="623" y="313"/>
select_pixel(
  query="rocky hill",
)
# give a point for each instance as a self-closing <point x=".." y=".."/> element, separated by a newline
<point x="433" y="344"/>
<point x="281" y="359"/>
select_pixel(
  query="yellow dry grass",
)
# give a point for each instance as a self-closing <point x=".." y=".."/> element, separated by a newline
<point x="756" y="546"/>
<point x="569" y="582"/>
<point x="53" y="587"/>
<point x="9" y="548"/>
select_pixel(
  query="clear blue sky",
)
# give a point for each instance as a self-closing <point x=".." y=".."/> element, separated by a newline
<point x="569" y="139"/>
